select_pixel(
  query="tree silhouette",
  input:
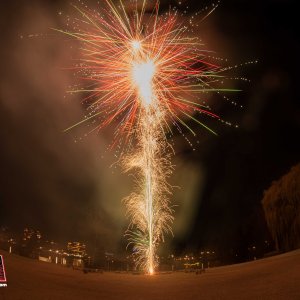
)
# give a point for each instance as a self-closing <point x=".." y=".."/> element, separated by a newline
<point x="281" y="203"/>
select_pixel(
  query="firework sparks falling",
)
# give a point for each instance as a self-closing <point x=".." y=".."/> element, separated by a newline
<point x="145" y="76"/>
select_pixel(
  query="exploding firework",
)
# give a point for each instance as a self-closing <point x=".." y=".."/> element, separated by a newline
<point x="146" y="75"/>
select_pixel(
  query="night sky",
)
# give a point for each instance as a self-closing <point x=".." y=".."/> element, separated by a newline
<point x="64" y="184"/>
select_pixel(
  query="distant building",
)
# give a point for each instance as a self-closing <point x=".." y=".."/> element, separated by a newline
<point x="30" y="242"/>
<point x="76" y="249"/>
<point x="29" y="234"/>
<point x="77" y="253"/>
<point x="51" y="252"/>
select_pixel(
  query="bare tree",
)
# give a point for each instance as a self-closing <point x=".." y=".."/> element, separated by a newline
<point x="281" y="203"/>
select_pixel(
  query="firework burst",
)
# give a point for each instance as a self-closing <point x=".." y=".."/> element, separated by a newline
<point x="145" y="74"/>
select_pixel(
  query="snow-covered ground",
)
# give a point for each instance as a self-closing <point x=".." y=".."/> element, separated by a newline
<point x="272" y="278"/>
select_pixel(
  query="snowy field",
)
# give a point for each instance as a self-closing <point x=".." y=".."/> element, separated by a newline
<point x="272" y="278"/>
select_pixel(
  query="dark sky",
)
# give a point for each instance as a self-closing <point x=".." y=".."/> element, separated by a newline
<point x="69" y="190"/>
